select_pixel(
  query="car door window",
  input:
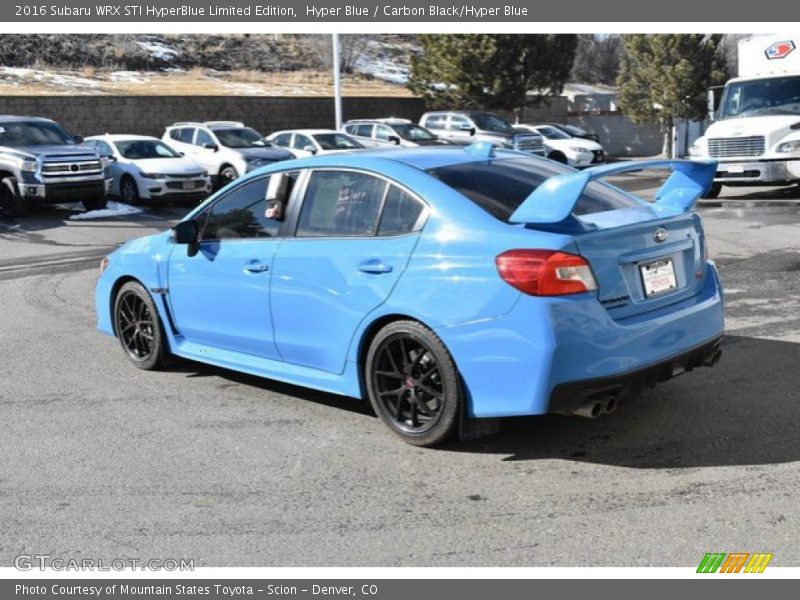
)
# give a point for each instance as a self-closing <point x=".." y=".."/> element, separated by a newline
<point x="241" y="214"/>
<point x="103" y="148"/>
<point x="185" y="135"/>
<point x="364" y="130"/>
<point x="458" y="123"/>
<point x="203" y="138"/>
<point x="282" y="139"/>
<point x="383" y="133"/>
<point x="341" y="203"/>
<point x="436" y="121"/>
<point x="301" y="141"/>
<point x="401" y="213"/>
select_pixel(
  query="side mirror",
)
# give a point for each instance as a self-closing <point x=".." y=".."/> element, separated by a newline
<point x="187" y="232"/>
<point x="310" y="149"/>
<point x="213" y="147"/>
<point x="181" y="153"/>
<point x="78" y="139"/>
<point x="394" y="139"/>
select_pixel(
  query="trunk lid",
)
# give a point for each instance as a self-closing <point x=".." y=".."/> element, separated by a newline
<point x="646" y="247"/>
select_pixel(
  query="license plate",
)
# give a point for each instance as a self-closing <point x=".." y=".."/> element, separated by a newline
<point x="188" y="185"/>
<point x="735" y="168"/>
<point x="658" y="277"/>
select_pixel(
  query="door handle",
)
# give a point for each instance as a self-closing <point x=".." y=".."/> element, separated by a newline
<point x="374" y="266"/>
<point x="256" y="267"/>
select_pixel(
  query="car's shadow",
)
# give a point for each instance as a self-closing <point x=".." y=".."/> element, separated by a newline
<point x="745" y="411"/>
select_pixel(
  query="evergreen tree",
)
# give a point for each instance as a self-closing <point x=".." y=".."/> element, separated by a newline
<point x="666" y="77"/>
<point x="493" y="71"/>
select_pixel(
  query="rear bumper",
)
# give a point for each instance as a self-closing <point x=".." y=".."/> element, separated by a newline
<point x="567" y="397"/>
<point x="513" y="365"/>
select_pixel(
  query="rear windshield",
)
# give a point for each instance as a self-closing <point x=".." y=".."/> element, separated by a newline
<point x="500" y="186"/>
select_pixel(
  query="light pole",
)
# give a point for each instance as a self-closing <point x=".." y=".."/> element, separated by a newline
<point x="337" y="83"/>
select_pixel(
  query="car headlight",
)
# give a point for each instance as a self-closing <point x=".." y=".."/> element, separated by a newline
<point x="29" y="165"/>
<point x="105" y="162"/>
<point x="578" y="149"/>
<point x="793" y="146"/>
<point x="204" y="173"/>
<point x="152" y="175"/>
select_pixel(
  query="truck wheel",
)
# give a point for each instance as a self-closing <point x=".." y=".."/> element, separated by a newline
<point x="95" y="204"/>
<point x="129" y="191"/>
<point x="12" y="204"/>
<point x="413" y="384"/>
<point x="713" y="191"/>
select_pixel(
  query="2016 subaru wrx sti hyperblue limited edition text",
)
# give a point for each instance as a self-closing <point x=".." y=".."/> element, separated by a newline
<point x="447" y="285"/>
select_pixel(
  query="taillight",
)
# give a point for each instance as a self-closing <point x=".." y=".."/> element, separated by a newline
<point x="546" y="272"/>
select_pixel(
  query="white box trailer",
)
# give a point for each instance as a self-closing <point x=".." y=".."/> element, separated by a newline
<point x="756" y="132"/>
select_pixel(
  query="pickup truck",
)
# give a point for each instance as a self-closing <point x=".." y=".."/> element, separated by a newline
<point x="41" y="163"/>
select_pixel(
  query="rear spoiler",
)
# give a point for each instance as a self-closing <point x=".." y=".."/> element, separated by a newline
<point x="552" y="202"/>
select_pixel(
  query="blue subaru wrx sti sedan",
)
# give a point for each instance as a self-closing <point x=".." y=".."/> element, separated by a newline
<point x="447" y="285"/>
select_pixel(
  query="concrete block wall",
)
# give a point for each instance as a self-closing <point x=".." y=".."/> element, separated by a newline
<point x="149" y="115"/>
<point x="620" y="136"/>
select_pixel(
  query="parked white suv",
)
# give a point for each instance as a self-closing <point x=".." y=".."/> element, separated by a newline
<point x="146" y="169"/>
<point x="562" y="147"/>
<point x="378" y="133"/>
<point x="226" y="149"/>
<point x="470" y="126"/>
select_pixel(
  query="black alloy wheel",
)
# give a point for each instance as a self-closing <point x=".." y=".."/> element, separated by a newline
<point x="413" y="384"/>
<point x="138" y="327"/>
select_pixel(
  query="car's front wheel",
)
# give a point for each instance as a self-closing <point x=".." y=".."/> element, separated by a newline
<point x="413" y="383"/>
<point x="226" y="175"/>
<point x="713" y="191"/>
<point x="129" y="191"/>
<point x="138" y="327"/>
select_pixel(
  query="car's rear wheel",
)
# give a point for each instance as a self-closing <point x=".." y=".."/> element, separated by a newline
<point x="12" y="204"/>
<point x="129" y="191"/>
<point x="413" y="383"/>
<point x="138" y="327"/>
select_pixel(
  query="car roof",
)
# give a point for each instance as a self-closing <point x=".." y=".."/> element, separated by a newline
<point x="22" y="119"/>
<point x="383" y="121"/>
<point x="114" y="137"/>
<point x="423" y="157"/>
<point x="307" y="131"/>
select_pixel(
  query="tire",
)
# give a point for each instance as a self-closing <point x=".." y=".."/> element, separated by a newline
<point x="129" y="191"/>
<point x="12" y="204"/>
<point x="138" y="327"/>
<point x="713" y="191"/>
<point x="413" y="384"/>
<point x="558" y="157"/>
<point x="95" y="204"/>
<point x="227" y="174"/>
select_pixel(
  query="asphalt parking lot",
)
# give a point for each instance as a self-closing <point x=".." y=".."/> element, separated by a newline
<point x="102" y="460"/>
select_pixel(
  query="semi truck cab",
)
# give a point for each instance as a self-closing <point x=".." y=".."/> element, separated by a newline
<point x="756" y="132"/>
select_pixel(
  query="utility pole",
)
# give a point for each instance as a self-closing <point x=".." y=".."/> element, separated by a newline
<point x="337" y="83"/>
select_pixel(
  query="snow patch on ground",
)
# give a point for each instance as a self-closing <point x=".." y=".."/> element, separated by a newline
<point x="381" y="61"/>
<point x="159" y="50"/>
<point x="16" y="76"/>
<point x="112" y="209"/>
<point x="127" y="77"/>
